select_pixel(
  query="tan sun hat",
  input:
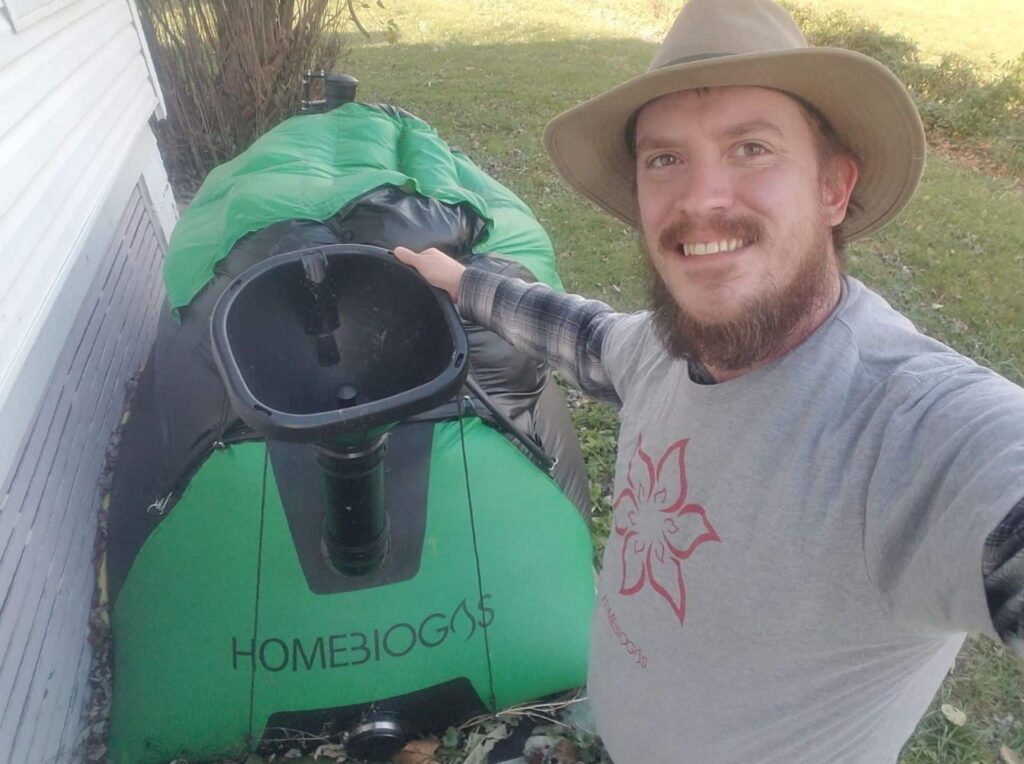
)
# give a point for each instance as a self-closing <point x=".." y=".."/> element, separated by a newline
<point x="756" y="43"/>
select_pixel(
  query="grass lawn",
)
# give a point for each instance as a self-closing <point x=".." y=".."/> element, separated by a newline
<point x="940" y="27"/>
<point x="489" y="74"/>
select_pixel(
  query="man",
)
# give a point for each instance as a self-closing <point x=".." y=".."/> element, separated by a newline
<point x="814" y="502"/>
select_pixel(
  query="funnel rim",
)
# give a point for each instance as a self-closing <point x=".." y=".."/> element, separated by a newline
<point x="364" y="417"/>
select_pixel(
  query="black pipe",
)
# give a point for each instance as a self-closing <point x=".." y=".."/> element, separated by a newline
<point x="320" y="307"/>
<point x="339" y="89"/>
<point x="355" y="518"/>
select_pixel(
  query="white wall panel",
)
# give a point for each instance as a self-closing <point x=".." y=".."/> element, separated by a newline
<point x="46" y="573"/>
<point x="25" y="13"/>
<point x="85" y="213"/>
<point x="15" y="44"/>
<point x="79" y="90"/>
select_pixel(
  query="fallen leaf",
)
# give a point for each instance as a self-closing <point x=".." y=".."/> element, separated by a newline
<point x="480" y="744"/>
<point x="538" y="749"/>
<point x="418" y="752"/>
<point x="451" y="738"/>
<point x="954" y="714"/>
<point x="1008" y="755"/>
<point x="566" y="752"/>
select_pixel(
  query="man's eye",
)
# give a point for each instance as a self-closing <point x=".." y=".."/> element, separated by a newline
<point x="750" y="149"/>
<point x="661" y="160"/>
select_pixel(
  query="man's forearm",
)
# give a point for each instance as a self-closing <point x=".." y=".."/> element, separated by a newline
<point x="566" y="330"/>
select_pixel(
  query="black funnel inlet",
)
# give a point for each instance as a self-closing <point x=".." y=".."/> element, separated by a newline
<point x="334" y="346"/>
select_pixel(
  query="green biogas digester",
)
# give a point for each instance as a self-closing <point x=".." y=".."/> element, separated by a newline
<point x="336" y="507"/>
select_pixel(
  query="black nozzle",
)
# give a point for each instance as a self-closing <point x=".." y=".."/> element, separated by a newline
<point x="378" y="737"/>
<point x="339" y="89"/>
<point x="321" y="307"/>
<point x="355" y="539"/>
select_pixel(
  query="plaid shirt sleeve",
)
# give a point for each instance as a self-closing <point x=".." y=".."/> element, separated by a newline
<point x="566" y="330"/>
<point x="1003" y="572"/>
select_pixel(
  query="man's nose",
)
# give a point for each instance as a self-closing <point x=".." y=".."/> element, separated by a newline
<point x="705" y="189"/>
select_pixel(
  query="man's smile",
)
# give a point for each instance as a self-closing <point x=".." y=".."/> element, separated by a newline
<point x="712" y="247"/>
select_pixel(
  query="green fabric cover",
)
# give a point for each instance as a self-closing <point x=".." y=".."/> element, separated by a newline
<point x="311" y="166"/>
<point x="221" y="574"/>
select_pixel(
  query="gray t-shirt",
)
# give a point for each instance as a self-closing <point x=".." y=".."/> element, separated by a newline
<point x="796" y="553"/>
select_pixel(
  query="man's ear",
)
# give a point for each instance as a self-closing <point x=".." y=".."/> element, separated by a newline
<point x="838" y="182"/>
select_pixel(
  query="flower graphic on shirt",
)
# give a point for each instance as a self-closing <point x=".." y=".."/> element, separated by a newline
<point x="658" y="528"/>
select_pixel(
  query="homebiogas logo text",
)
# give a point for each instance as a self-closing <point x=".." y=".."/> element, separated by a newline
<point x="356" y="647"/>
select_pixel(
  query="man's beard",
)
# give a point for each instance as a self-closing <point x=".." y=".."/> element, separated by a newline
<point x="767" y="321"/>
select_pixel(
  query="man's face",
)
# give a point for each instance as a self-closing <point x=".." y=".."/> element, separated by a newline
<point x="736" y="217"/>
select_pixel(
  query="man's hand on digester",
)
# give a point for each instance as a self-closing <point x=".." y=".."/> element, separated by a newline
<point x="436" y="267"/>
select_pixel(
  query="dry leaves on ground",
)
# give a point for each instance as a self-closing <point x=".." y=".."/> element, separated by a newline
<point x="954" y="715"/>
<point x="418" y="752"/>
<point x="1008" y="755"/>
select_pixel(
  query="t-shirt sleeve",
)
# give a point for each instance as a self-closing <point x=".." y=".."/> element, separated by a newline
<point x="948" y="470"/>
<point x="632" y="353"/>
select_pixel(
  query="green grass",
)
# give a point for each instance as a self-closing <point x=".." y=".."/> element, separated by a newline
<point x="986" y="32"/>
<point x="489" y="75"/>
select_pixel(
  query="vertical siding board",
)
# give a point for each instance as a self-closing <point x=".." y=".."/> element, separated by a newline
<point x="71" y="379"/>
<point x="44" y="729"/>
<point x="81" y="340"/>
<point x="70" y="695"/>
<point x="150" y="290"/>
<point x="67" y="622"/>
<point x="43" y="568"/>
<point x="86" y="353"/>
<point x="120" y="293"/>
<point x="44" y="617"/>
<point x="67" y="745"/>
<point x="78" y="347"/>
<point x="122" y="240"/>
<point x="51" y="689"/>
<point x="15" y="518"/>
<point x="135" y="311"/>
<point x="125" y="239"/>
<point x="20" y="548"/>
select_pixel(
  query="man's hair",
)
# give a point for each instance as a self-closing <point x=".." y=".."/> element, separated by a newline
<point x="826" y="141"/>
<point x="829" y="147"/>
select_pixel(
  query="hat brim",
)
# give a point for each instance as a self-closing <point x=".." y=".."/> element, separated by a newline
<point x="867" y="106"/>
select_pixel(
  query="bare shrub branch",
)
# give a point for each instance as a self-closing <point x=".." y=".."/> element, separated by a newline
<point x="230" y="70"/>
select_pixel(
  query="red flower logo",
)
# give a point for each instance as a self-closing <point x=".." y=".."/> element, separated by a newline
<point x="659" y="529"/>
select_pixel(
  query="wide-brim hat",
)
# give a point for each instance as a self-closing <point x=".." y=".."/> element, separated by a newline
<point x="754" y="43"/>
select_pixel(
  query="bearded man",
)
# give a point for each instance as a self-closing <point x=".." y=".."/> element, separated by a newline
<point x="814" y="502"/>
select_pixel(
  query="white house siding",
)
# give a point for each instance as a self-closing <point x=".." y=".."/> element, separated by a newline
<point x="85" y="213"/>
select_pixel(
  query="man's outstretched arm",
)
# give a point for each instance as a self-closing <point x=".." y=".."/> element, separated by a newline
<point x="568" y="331"/>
